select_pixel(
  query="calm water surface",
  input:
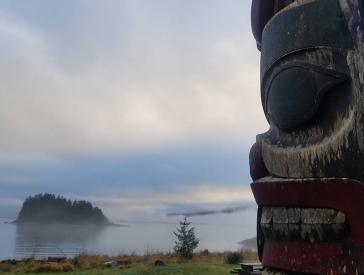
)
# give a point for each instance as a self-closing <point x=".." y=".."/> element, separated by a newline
<point x="216" y="232"/>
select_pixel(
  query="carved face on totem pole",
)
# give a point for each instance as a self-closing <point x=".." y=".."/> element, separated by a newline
<point x="308" y="168"/>
<point x="312" y="77"/>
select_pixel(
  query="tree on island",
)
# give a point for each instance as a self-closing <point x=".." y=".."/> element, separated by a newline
<point x="186" y="240"/>
<point x="48" y="208"/>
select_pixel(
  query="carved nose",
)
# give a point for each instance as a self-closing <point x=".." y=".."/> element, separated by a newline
<point x="294" y="94"/>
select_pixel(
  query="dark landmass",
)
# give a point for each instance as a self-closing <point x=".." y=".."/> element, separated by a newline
<point x="48" y="208"/>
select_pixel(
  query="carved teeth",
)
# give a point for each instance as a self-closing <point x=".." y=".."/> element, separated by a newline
<point x="292" y="215"/>
<point x="303" y="224"/>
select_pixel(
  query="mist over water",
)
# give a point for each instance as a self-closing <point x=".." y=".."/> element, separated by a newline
<point x="216" y="232"/>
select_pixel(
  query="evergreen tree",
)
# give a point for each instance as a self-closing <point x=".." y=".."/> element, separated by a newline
<point x="186" y="240"/>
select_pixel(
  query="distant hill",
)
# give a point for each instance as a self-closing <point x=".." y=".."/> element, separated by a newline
<point x="249" y="244"/>
<point x="48" y="208"/>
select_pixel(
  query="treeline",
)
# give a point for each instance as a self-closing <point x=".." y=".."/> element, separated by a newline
<point x="48" y="208"/>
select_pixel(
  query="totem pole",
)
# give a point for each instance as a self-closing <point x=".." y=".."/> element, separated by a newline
<point x="308" y="168"/>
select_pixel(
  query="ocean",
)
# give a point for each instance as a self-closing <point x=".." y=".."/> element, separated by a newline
<point x="219" y="232"/>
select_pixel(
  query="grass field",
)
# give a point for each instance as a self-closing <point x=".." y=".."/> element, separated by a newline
<point x="202" y="263"/>
<point x="175" y="269"/>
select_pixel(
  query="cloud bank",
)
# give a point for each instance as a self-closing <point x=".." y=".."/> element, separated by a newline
<point x="128" y="95"/>
<point x="151" y="92"/>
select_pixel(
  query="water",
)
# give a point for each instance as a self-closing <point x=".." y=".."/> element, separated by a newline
<point x="216" y="233"/>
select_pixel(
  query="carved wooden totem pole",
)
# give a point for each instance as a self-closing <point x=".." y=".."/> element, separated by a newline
<point x="308" y="169"/>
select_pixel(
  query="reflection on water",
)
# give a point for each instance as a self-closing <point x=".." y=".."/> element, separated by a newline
<point x="57" y="240"/>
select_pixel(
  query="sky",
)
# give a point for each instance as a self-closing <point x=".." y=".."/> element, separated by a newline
<point x="142" y="107"/>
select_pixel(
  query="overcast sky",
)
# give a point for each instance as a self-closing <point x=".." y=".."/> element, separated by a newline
<point x="147" y="106"/>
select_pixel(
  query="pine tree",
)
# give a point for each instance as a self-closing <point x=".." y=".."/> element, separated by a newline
<point x="186" y="240"/>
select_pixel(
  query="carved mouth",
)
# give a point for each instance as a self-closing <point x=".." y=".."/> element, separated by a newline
<point x="312" y="225"/>
<point x="315" y="221"/>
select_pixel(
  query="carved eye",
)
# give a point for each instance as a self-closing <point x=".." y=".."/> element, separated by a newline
<point x="261" y="12"/>
<point x="294" y="94"/>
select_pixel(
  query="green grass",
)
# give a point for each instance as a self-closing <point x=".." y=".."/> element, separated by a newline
<point x="169" y="269"/>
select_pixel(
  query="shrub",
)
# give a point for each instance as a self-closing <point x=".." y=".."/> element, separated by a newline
<point x="233" y="258"/>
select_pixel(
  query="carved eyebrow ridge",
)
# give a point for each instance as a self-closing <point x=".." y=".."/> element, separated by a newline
<point x="261" y="12"/>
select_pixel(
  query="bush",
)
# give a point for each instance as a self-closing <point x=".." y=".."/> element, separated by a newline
<point x="186" y="240"/>
<point x="233" y="258"/>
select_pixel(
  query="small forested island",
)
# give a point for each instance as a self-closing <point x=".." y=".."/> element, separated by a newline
<point x="48" y="208"/>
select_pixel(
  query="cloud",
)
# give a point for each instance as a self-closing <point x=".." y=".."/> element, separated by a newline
<point x="196" y="195"/>
<point x="149" y="202"/>
<point x="151" y="94"/>
<point x="16" y="179"/>
<point x="228" y="210"/>
<point x="10" y="202"/>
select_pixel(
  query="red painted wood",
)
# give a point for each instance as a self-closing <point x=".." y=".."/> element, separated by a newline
<point x="345" y="195"/>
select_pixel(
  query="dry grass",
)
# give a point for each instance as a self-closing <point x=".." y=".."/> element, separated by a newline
<point x="85" y="261"/>
<point x="36" y="266"/>
<point x="92" y="261"/>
